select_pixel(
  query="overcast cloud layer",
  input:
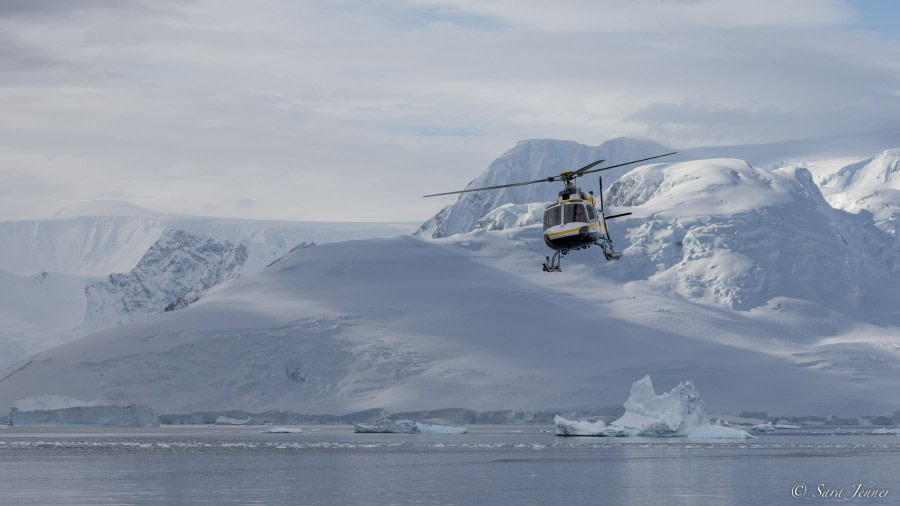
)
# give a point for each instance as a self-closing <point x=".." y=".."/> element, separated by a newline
<point x="350" y="111"/>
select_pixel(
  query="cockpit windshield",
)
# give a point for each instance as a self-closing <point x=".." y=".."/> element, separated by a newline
<point x="575" y="213"/>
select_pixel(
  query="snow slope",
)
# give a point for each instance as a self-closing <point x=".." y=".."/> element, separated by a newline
<point x="99" y="238"/>
<point x="723" y="231"/>
<point x="471" y="321"/>
<point x="99" y="264"/>
<point x="871" y="185"/>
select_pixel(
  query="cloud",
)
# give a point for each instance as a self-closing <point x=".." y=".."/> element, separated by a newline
<point x="192" y="106"/>
<point x="243" y="204"/>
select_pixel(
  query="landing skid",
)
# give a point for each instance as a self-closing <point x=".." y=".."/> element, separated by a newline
<point x="608" y="251"/>
<point x="552" y="265"/>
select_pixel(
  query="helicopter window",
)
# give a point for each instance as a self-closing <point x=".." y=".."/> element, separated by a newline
<point x="552" y="217"/>
<point x="592" y="213"/>
<point x="574" y="212"/>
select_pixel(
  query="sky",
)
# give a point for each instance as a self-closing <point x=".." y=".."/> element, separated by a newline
<point x="342" y="110"/>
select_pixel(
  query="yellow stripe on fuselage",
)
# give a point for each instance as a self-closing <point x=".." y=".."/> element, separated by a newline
<point x="592" y="225"/>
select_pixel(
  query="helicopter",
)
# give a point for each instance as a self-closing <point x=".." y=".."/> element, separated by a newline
<point x="574" y="221"/>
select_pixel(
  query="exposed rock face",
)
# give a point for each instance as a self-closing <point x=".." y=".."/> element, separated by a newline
<point x="169" y="276"/>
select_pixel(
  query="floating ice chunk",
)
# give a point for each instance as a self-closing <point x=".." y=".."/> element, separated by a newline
<point x="387" y="427"/>
<point x="566" y="427"/>
<point x="224" y="420"/>
<point x="86" y="416"/>
<point x="406" y="427"/>
<point x="718" y="432"/>
<point x="885" y="430"/>
<point x="281" y="430"/>
<point x="674" y="413"/>
<point x="424" y="428"/>
<point x="786" y="426"/>
<point x="763" y="427"/>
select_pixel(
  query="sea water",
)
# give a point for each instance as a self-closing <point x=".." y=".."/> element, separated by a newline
<point x="491" y="465"/>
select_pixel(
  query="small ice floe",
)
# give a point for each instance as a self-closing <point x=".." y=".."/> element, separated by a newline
<point x="281" y="430"/>
<point x="763" y="427"/>
<point x="718" y="432"/>
<point x="224" y="420"/>
<point x="407" y="427"/>
<point x="566" y="427"/>
<point x="786" y="426"/>
<point x="886" y="431"/>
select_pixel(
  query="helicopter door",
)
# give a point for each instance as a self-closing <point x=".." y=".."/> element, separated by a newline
<point x="552" y="217"/>
<point x="592" y="213"/>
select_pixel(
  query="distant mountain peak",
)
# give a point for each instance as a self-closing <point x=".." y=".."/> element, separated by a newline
<point x="117" y="208"/>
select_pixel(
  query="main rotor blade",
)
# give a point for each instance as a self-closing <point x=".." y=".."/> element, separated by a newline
<point x="586" y="167"/>
<point x="626" y="163"/>
<point x="545" y="180"/>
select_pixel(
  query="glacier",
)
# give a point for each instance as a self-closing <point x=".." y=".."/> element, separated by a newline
<point x="103" y="415"/>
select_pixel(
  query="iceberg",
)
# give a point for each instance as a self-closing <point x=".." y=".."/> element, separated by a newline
<point x="718" y="432"/>
<point x="675" y="413"/>
<point x="386" y="427"/>
<point x="86" y="416"/>
<point x="424" y="428"/>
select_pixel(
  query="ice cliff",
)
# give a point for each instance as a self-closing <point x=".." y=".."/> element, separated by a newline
<point x="62" y="411"/>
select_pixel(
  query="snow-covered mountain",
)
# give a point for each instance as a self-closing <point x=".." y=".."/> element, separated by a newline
<point x="100" y="264"/>
<point x="741" y="278"/>
<point x="871" y="185"/>
<point x="532" y="160"/>
<point x="725" y="232"/>
<point x="100" y="238"/>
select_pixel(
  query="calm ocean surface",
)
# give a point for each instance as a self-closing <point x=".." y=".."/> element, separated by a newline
<point x="491" y="465"/>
